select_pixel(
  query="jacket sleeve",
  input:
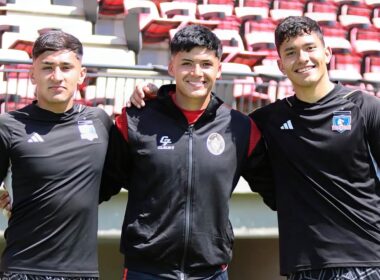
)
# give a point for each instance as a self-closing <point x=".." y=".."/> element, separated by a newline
<point x="4" y="150"/>
<point x="258" y="170"/>
<point x="373" y="127"/>
<point x="116" y="166"/>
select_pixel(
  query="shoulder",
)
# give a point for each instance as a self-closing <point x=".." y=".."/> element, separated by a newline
<point x="151" y="105"/>
<point x="367" y="103"/>
<point x="233" y="112"/>
<point x="361" y="97"/>
<point x="7" y="121"/>
<point x="267" y="110"/>
<point x="96" y="113"/>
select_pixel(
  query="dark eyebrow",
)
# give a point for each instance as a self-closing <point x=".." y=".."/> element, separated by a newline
<point x="305" y="45"/>
<point x="53" y="63"/>
<point x="202" y="61"/>
<point x="289" y="49"/>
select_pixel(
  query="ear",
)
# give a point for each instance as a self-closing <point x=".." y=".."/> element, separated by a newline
<point x="31" y="74"/>
<point x="82" y="75"/>
<point x="328" y="54"/>
<point x="171" y="68"/>
<point x="280" y="66"/>
<point x="219" y="73"/>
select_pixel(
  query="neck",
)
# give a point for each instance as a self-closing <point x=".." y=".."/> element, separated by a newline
<point x="56" y="108"/>
<point x="315" y="93"/>
<point x="191" y="104"/>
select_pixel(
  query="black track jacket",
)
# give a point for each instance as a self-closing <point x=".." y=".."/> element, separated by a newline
<point x="180" y="178"/>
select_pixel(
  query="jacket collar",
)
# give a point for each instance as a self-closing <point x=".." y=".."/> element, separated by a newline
<point x="210" y="111"/>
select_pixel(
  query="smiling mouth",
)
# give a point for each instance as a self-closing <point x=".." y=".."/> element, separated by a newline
<point x="197" y="84"/>
<point x="305" y="69"/>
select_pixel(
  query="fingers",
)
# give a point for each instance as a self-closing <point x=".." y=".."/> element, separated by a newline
<point x="5" y="201"/>
<point x="142" y="91"/>
<point x="7" y="213"/>
<point x="150" y="90"/>
<point x="137" y="97"/>
<point x="5" y="204"/>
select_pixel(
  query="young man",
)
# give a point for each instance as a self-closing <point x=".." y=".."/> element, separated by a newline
<point x="55" y="151"/>
<point x="324" y="146"/>
<point x="180" y="159"/>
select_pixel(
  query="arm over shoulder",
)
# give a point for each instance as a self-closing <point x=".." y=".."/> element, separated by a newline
<point x="116" y="166"/>
<point x="258" y="170"/>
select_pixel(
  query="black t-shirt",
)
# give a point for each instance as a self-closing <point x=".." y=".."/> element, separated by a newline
<point x="325" y="158"/>
<point x="56" y="162"/>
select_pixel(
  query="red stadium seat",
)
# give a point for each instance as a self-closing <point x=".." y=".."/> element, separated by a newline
<point x="282" y="9"/>
<point x="220" y="2"/>
<point x="255" y="3"/>
<point x="234" y="50"/>
<point x="153" y="27"/>
<point x="365" y="40"/>
<point x="357" y="14"/>
<point x="176" y="9"/>
<point x="322" y="12"/>
<point x="220" y="12"/>
<point x="263" y="25"/>
<point x="111" y="7"/>
<point x="251" y="13"/>
<point x="345" y="68"/>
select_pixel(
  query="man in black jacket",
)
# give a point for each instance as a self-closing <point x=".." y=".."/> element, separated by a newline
<point x="324" y="146"/>
<point x="180" y="159"/>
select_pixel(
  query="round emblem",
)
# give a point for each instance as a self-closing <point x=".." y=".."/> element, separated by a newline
<point x="215" y="144"/>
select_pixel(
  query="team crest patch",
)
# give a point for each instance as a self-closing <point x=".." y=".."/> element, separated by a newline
<point x="341" y="121"/>
<point x="87" y="130"/>
<point x="215" y="144"/>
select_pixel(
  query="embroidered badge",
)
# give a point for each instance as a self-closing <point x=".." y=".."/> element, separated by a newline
<point x="87" y="130"/>
<point x="165" y="142"/>
<point x="215" y="144"/>
<point x="341" y="121"/>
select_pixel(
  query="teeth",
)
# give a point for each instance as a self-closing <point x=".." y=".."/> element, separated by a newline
<point x="196" y="83"/>
<point x="304" y="69"/>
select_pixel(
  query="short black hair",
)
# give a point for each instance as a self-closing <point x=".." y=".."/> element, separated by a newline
<point x="57" y="40"/>
<point x="193" y="36"/>
<point x="295" y="26"/>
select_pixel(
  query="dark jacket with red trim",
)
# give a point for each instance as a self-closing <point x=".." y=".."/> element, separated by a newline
<point x="180" y="178"/>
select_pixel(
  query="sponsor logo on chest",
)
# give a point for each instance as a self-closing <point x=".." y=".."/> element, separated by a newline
<point x="341" y="121"/>
<point x="87" y="130"/>
<point x="165" y="142"/>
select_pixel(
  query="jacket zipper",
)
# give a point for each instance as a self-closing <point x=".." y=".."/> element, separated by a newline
<point x="188" y="200"/>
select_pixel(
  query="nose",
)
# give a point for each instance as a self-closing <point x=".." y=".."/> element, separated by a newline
<point x="303" y="56"/>
<point x="197" y="70"/>
<point x="57" y="74"/>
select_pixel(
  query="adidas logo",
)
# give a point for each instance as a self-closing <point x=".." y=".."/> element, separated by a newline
<point x="287" y="125"/>
<point x="35" y="138"/>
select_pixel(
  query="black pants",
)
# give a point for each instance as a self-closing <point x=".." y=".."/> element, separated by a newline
<point x="343" y="273"/>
